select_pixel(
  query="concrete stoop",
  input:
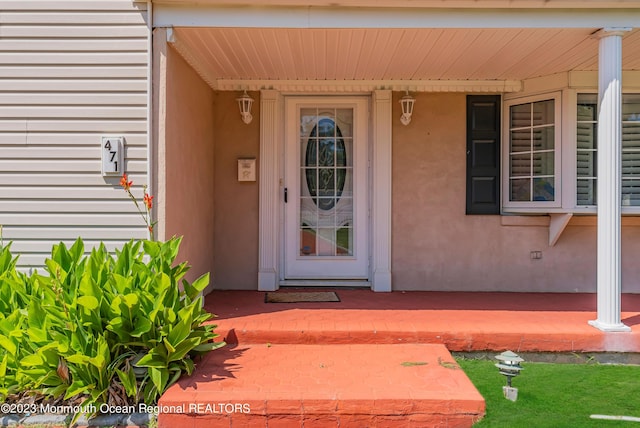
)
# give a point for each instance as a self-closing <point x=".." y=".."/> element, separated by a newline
<point x="296" y="385"/>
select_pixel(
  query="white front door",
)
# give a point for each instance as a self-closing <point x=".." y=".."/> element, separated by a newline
<point x="326" y="202"/>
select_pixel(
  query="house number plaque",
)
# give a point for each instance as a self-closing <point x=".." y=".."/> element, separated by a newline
<point x="112" y="162"/>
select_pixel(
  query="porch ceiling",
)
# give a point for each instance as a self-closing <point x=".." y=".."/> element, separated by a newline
<point x="387" y="54"/>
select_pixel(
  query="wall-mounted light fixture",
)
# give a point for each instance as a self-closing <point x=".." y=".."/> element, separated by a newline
<point x="245" y="102"/>
<point x="407" y="108"/>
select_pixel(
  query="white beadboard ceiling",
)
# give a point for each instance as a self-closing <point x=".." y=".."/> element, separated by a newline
<point x="387" y="54"/>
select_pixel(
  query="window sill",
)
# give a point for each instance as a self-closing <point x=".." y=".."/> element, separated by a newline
<point x="558" y="222"/>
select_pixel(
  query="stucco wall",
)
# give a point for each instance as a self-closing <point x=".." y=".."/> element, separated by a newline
<point x="236" y="203"/>
<point x="437" y="247"/>
<point x="189" y="164"/>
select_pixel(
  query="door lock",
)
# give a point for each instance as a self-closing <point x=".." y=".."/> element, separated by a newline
<point x="285" y="195"/>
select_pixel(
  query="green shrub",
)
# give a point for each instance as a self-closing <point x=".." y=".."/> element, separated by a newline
<point x="106" y="329"/>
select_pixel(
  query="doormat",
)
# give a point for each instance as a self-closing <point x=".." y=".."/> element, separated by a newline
<point x="300" y="297"/>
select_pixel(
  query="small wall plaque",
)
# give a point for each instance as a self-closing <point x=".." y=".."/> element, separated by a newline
<point x="112" y="156"/>
<point x="247" y="169"/>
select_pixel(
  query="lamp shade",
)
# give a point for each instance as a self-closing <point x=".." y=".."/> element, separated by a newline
<point x="407" y="108"/>
<point x="244" y="103"/>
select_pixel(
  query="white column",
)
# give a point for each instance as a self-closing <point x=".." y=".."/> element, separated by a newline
<point x="381" y="204"/>
<point x="270" y="120"/>
<point x="609" y="265"/>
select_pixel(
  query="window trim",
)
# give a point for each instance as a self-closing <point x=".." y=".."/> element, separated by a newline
<point x="572" y="121"/>
<point x="509" y="206"/>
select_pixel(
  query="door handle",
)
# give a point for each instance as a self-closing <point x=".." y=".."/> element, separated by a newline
<point x="285" y="195"/>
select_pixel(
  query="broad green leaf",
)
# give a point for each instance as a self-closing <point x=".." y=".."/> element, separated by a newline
<point x="170" y="348"/>
<point x="8" y="344"/>
<point x="3" y="367"/>
<point x="179" y="332"/>
<point x="201" y="283"/>
<point x="77" y="388"/>
<point x="143" y="325"/>
<point x="210" y="346"/>
<point x="159" y="377"/>
<point x="88" y="302"/>
<point x="183" y="349"/>
<point x="129" y="382"/>
<point x="77" y="250"/>
<point x="31" y="360"/>
<point x="79" y="359"/>
<point x="157" y="357"/>
<point x="131" y="300"/>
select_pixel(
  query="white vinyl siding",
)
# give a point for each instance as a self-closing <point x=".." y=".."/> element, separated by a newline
<point x="70" y="72"/>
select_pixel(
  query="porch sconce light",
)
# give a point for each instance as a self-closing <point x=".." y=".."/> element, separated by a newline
<point x="509" y="366"/>
<point x="407" y="108"/>
<point x="245" y="102"/>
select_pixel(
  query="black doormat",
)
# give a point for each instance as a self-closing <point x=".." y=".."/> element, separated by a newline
<point x="301" y="296"/>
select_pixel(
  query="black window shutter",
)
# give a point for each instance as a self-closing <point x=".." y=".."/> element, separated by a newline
<point x="483" y="154"/>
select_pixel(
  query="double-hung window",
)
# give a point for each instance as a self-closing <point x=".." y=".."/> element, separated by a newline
<point x="586" y="139"/>
<point x="532" y="153"/>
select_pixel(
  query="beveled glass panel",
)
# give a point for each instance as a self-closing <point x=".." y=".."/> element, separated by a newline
<point x="308" y="213"/>
<point x="308" y="242"/>
<point x="344" y="212"/>
<point x="344" y="152"/>
<point x="520" y="189"/>
<point x="521" y="140"/>
<point x="310" y="152"/>
<point x="344" y="187"/>
<point x="520" y="165"/>
<point x="543" y="112"/>
<point x="309" y="182"/>
<point x="326" y="217"/>
<point x="344" y="119"/>
<point x="543" y="163"/>
<point x="544" y="138"/>
<point x="308" y="120"/>
<point x="326" y="242"/>
<point x="326" y="151"/>
<point x="344" y="241"/>
<point x="326" y="127"/>
<point x="543" y="189"/>
<point x="326" y="183"/>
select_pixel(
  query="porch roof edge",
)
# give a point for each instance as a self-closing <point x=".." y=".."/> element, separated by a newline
<point x="342" y="86"/>
<point x="431" y="4"/>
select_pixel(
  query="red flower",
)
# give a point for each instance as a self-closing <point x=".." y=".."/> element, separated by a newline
<point x="126" y="185"/>
<point x="148" y="201"/>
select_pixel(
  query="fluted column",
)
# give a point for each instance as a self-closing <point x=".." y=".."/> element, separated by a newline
<point x="270" y="122"/>
<point x="609" y="266"/>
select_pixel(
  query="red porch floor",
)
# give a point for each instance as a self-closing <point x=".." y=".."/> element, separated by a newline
<point x="462" y="321"/>
<point x="373" y="360"/>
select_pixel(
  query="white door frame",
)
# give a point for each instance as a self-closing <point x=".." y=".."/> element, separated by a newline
<point x="271" y="175"/>
<point x="355" y="266"/>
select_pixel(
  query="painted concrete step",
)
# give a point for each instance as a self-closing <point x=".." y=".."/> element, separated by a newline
<point x="463" y="322"/>
<point x="324" y="386"/>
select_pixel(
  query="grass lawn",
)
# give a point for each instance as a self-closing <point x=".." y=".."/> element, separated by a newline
<point x="558" y="395"/>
